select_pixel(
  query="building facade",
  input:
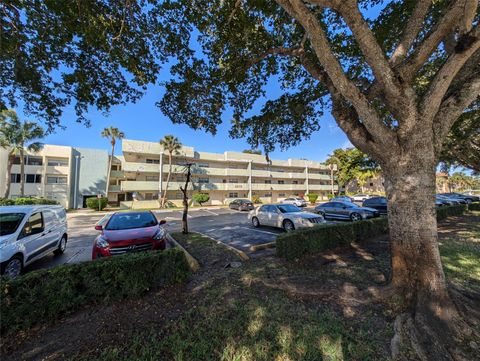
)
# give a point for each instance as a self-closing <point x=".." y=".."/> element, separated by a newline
<point x="143" y="171"/>
<point x="66" y="174"/>
<point x="138" y="178"/>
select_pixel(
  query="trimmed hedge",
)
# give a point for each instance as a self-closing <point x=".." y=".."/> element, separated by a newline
<point x="444" y="212"/>
<point x="328" y="236"/>
<point x="92" y="203"/>
<point x="45" y="295"/>
<point x="26" y="201"/>
<point x="474" y="206"/>
<point x="312" y="197"/>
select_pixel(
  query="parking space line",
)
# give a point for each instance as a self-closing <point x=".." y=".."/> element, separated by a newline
<point x="257" y="230"/>
<point x="188" y="215"/>
<point x="209" y="211"/>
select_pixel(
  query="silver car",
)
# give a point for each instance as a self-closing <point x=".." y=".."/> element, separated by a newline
<point x="296" y="201"/>
<point x="346" y="210"/>
<point x="286" y="216"/>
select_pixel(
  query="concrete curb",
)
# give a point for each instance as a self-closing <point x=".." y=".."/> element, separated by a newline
<point x="259" y="247"/>
<point x="192" y="262"/>
<point x="240" y="253"/>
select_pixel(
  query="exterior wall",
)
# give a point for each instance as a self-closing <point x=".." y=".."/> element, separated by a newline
<point x="372" y="185"/>
<point x="224" y="176"/>
<point x="91" y="177"/>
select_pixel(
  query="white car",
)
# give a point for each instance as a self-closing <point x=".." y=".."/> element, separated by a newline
<point x="286" y="216"/>
<point x="28" y="233"/>
<point x="296" y="201"/>
<point x="360" y="197"/>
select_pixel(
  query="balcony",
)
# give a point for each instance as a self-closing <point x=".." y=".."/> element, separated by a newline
<point x="57" y="169"/>
<point x="321" y="187"/>
<point x="114" y="188"/>
<point x="318" y="176"/>
<point x="117" y="174"/>
<point x="278" y="187"/>
<point x="144" y="186"/>
<point x="141" y="167"/>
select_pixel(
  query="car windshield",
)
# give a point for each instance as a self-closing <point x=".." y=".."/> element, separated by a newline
<point x="130" y="221"/>
<point x="9" y="222"/>
<point x="288" y="208"/>
<point x="349" y="205"/>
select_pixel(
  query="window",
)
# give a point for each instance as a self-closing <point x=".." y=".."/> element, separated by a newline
<point x="152" y="178"/>
<point x="268" y="195"/>
<point x="148" y="196"/>
<point x="56" y="180"/>
<point x="281" y="182"/>
<point x="234" y="180"/>
<point x="281" y="194"/>
<point x="268" y="181"/>
<point x="15" y="178"/>
<point x="295" y="182"/>
<point x="33" y="178"/>
<point x="34" y="160"/>
<point x="152" y="161"/>
<point x="16" y="160"/>
<point x="9" y="222"/>
<point x="115" y="167"/>
<point x="58" y="162"/>
<point x="203" y="180"/>
<point x="34" y="225"/>
<point x="203" y="165"/>
<point x="371" y="184"/>
<point x="233" y="195"/>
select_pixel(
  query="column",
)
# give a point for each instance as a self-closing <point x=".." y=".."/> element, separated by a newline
<point x="306" y="178"/>
<point x="250" y="180"/>
<point x="160" y="177"/>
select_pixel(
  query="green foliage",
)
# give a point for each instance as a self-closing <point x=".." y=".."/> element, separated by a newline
<point x="201" y="197"/>
<point x="460" y="181"/>
<point x="92" y="202"/>
<point x="252" y="151"/>
<point x="7" y="202"/>
<point x="256" y="200"/>
<point x="312" y="197"/>
<point x="323" y="237"/>
<point x="45" y="295"/>
<point x="28" y="200"/>
<point x="474" y="206"/>
<point x="352" y="164"/>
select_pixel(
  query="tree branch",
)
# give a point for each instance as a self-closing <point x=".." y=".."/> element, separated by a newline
<point x="296" y="51"/>
<point x="465" y="88"/>
<point x="424" y="50"/>
<point x="414" y="25"/>
<point x="444" y="77"/>
<point x="321" y="47"/>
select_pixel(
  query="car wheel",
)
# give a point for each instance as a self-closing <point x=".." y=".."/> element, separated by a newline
<point x="255" y="222"/>
<point x="13" y="267"/>
<point x="355" y="217"/>
<point x="288" y="225"/>
<point x="61" y="246"/>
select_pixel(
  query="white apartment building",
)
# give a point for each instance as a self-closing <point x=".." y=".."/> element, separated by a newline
<point x="143" y="171"/>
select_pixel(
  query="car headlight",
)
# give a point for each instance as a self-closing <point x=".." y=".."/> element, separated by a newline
<point x="301" y="220"/>
<point x="160" y="234"/>
<point x="102" y="242"/>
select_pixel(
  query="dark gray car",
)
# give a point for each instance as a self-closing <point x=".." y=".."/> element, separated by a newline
<point x="345" y="210"/>
<point x="241" y="205"/>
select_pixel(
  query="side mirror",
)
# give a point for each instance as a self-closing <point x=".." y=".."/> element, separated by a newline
<point x="98" y="228"/>
<point x="162" y="222"/>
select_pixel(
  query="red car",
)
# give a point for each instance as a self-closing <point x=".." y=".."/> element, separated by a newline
<point x="129" y="232"/>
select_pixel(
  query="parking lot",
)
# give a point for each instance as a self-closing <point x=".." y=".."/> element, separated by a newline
<point x="224" y="225"/>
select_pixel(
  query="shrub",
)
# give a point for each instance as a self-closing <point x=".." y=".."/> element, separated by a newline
<point x="328" y="236"/>
<point x="330" y="196"/>
<point x="256" y="200"/>
<point x="312" y="198"/>
<point x="6" y="202"/>
<point x="474" y="206"/>
<point x="44" y="295"/>
<point x="201" y="198"/>
<point x="92" y="202"/>
<point x="444" y="212"/>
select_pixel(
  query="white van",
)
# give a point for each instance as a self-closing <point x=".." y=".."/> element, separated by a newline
<point x="28" y="233"/>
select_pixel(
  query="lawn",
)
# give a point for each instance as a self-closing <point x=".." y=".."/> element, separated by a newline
<point x="322" y="308"/>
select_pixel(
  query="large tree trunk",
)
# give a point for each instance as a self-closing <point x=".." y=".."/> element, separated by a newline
<point x="8" y="180"/>
<point x="431" y="319"/>
<point x="164" y="198"/>
<point x="22" y="173"/>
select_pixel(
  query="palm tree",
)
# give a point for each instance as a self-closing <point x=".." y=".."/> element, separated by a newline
<point x="172" y="145"/>
<point x="333" y="163"/>
<point x="113" y="134"/>
<point x="17" y="136"/>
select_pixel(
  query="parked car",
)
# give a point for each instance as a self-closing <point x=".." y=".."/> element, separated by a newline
<point x="28" y="233"/>
<point x="126" y="232"/>
<point x="241" y="205"/>
<point x="341" y="199"/>
<point x="446" y="201"/>
<point x="346" y="210"/>
<point x="452" y="199"/>
<point x="296" y="201"/>
<point x="379" y="203"/>
<point x="465" y="197"/>
<point x="360" y="197"/>
<point x="286" y="216"/>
